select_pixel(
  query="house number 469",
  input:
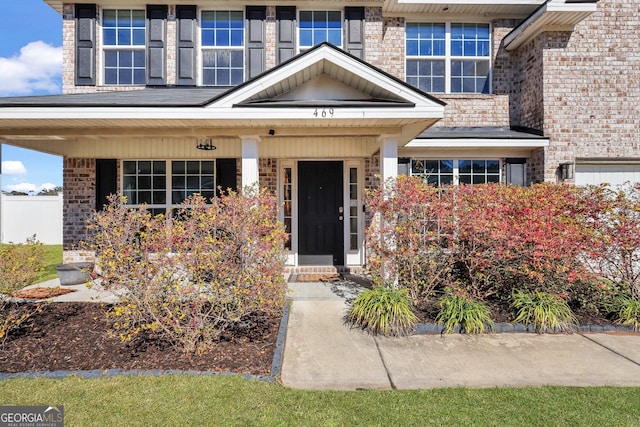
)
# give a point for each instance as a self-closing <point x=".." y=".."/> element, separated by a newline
<point x="325" y="112"/>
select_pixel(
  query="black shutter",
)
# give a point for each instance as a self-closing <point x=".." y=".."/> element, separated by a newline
<point x="156" y="44"/>
<point x="285" y="33"/>
<point x="85" y="71"/>
<point x="226" y="174"/>
<point x="186" y="45"/>
<point x="106" y="181"/>
<point x="354" y="29"/>
<point x="256" y="15"/>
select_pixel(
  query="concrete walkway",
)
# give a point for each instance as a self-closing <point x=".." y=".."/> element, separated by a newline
<point x="322" y="353"/>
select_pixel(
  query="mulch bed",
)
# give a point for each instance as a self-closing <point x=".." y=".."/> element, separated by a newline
<point x="501" y="312"/>
<point x="42" y="293"/>
<point x="74" y="336"/>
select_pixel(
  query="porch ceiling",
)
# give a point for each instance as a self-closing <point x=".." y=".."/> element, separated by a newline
<point x="59" y="136"/>
<point x="489" y="9"/>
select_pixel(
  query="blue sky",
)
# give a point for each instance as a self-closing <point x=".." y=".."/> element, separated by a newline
<point x="30" y="64"/>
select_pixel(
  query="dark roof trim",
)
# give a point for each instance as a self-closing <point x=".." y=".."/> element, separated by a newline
<point x="169" y="97"/>
<point x="339" y="103"/>
<point x="608" y="160"/>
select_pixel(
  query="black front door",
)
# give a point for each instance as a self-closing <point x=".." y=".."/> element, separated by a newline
<point x="320" y="213"/>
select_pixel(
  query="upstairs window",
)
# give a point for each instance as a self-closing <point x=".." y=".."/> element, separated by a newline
<point x="124" y="35"/>
<point x="320" y="26"/>
<point x="222" y="38"/>
<point x="449" y="57"/>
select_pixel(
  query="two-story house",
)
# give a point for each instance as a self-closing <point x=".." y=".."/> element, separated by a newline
<point x="318" y="100"/>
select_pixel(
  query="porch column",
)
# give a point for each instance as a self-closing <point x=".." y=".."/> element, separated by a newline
<point x="388" y="169"/>
<point x="389" y="157"/>
<point x="250" y="166"/>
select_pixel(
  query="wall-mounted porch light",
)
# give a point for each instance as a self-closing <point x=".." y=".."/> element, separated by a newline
<point x="206" y="144"/>
<point x="567" y="170"/>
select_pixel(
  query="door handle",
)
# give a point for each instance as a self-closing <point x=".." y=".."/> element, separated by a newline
<point x="340" y="217"/>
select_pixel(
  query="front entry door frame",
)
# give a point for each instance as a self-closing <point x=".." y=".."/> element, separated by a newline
<point x="353" y="223"/>
<point x="321" y="212"/>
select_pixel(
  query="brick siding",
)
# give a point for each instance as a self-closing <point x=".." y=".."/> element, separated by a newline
<point x="268" y="174"/>
<point x="589" y="97"/>
<point x="270" y="38"/>
<point x="581" y="88"/>
<point x="171" y="46"/>
<point x="79" y="199"/>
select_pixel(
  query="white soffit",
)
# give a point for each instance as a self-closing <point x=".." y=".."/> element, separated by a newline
<point x="460" y="8"/>
<point x="555" y="15"/>
<point x="477" y="143"/>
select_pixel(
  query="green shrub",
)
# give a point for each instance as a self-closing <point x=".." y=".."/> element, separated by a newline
<point x="546" y="312"/>
<point x="383" y="311"/>
<point x="189" y="277"/>
<point x="626" y="311"/>
<point x="473" y="317"/>
<point x="20" y="264"/>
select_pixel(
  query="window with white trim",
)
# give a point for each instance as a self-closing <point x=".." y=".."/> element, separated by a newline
<point x="150" y="182"/>
<point x="455" y="172"/>
<point x="222" y="40"/>
<point x="192" y="177"/>
<point x="317" y="26"/>
<point x="123" y="41"/>
<point x="449" y="57"/>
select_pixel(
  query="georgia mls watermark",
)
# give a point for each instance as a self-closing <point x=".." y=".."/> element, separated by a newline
<point x="32" y="416"/>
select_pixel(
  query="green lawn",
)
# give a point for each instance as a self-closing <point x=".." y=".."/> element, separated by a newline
<point x="52" y="257"/>
<point x="183" y="401"/>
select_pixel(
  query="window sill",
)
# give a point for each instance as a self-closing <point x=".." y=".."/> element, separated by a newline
<point x="443" y="95"/>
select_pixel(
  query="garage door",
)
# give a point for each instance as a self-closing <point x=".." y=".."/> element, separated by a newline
<point x="607" y="173"/>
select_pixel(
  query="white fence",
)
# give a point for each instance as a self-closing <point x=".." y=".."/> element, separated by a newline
<point x="23" y="216"/>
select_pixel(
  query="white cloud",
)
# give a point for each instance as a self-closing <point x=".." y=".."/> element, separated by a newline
<point x="38" y="67"/>
<point x="23" y="187"/>
<point x="13" y="167"/>
<point x="47" y="186"/>
<point x="27" y="187"/>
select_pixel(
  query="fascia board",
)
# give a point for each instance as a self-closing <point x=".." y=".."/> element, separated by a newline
<point x="154" y="113"/>
<point x="474" y="2"/>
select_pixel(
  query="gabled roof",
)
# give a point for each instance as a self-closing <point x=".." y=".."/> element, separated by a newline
<point x="553" y="15"/>
<point x="329" y="61"/>
<point x="357" y="96"/>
